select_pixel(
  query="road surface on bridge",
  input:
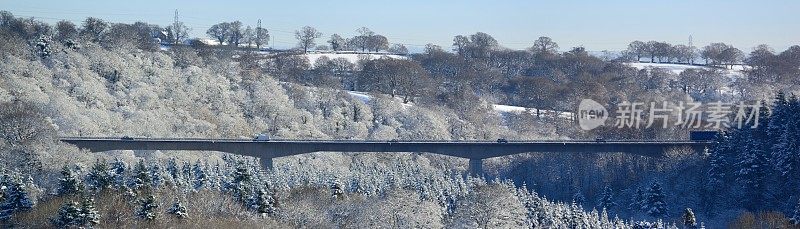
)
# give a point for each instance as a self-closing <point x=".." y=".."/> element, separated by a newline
<point x="473" y="150"/>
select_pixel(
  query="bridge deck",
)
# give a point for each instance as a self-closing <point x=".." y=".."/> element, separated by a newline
<point x="463" y="149"/>
<point x="475" y="151"/>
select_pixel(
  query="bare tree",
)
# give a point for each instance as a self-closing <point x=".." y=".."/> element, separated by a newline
<point x="306" y="36"/>
<point x="650" y="49"/>
<point x="761" y="56"/>
<point x="544" y="45"/>
<point x="337" y="43"/>
<point x="249" y="36"/>
<point x="235" y="34"/>
<point x="731" y="56"/>
<point x="219" y="31"/>
<point x="177" y="32"/>
<point x="714" y="53"/>
<point x="261" y="37"/>
<point x="377" y="43"/>
<point x="94" y="29"/>
<point x="398" y="49"/>
<point x="662" y="50"/>
<point x="638" y="49"/>
<point x="66" y="30"/>
<point x="685" y="53"/>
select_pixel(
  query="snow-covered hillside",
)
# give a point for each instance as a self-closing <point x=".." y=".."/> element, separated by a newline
<point x="351" y="56"/>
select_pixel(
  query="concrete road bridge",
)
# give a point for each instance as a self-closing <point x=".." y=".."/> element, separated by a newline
<point x="475" y="151"/>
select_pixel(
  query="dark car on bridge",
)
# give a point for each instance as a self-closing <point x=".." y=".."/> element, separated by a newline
<point x="126" y="138"/>
<point x="502" y="140"/>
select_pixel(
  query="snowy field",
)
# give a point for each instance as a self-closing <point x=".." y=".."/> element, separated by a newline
<point x="499" y="108"/>
<point x="678" y="68"/>
<point x="352" y="57"/>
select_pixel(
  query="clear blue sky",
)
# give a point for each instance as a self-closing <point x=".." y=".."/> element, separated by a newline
<point x="596" y="25"/>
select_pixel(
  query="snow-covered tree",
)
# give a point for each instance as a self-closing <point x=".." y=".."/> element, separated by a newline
<point x="606" y="199"/>
<point x="637" y="200"/>
<point x="98" y="177"/>
<point x="69" y="183"/>
<point x="262" y="202"/>
<point x="178" y="210"/>
<point x="753" y="169"/>
<point x="119" y="173"/>
<point x="689" y="220"/>
<point x="201" y="180"/>
<point x="579" y="198"/>
<point x="88" y="214"/>
<point x="43" y="45"/>
<point x="141" y="176"/>
<point x="147" y="208"/>
<point x="68" y="216"/>
<point x="784" y="130"/>
<point x="336" y="190"/>
<point x="490" y="206"/>
<point x="240" y="183"/>
<point x="156" y="175"/>
<point x="173" y="171"/>
<point x="655" y="201"/>
<point x="15" y="198"/>
<point x="796" y="214"/>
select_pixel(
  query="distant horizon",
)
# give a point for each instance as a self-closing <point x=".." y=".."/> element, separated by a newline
<point x="597" y="27"/>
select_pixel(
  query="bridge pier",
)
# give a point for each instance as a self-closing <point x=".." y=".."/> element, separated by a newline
<point x="266" y="163"/>
<point x="475" y="167"/>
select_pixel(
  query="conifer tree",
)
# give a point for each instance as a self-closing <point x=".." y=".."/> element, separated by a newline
<point x="156" y="176"/>
<point x="579" y="198"/>
<point x="796" y="214"/>
<point x="186" y="174"/>
<point x="178" y="210"/>
<point x="656" y="207"/>
<point x="785" y="123"/>
<point x="606" y="199"/>
<point x="68" y="216"/>
<point x="752" y="169"/>
<point x="119" y="172"/>
<point x="141" y="176"/>
<point x="172" y="169"/>
<point x="241" y="179"/>
<point x="98" y="177"/>
<point x="15" y="198"/>
<point x="262" y="202"/>
<point x="689" y="220"/>
<point x="68" y="184"/>
<point x="88" y="214"/>
<point x="200" y="177"/>
<point x="147" y="208"/>
<point x="336" y="190"/>
<point x="638" y="200"/>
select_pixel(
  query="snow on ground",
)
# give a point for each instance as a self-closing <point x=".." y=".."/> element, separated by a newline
<point x="359" y="95"/>
<point x="365" y="97"/>
<point x="675" y="68"/>
<point x="350" y="56"/>
<point x="678" y="68"/>
<point x="500" y="109"/>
